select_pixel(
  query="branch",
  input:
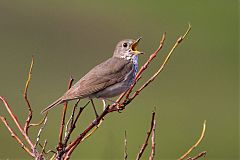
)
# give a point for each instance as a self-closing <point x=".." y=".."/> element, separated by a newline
<point x="140" y="153"/>
<point x="180" y="39"/>
<point x="14" y="135"/>
<point x="202" y="154"/>
<point x="15" y="119"/>
<point x="143" y="68"/>
<point x="73" y="125"/>
<point x="125" y="146"/>
<point x="151" y="157"/>
<point x="74" y="144"/>
<point x="39" y="132"/>
<point x="44" y="148"/>
<point x="196" y="144"/>
<point x="59" y="148"/>
<point x="27" y="122"/>
<point x="23" y="130"/>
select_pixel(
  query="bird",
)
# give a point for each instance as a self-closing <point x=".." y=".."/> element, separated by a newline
<point x="108" y="79"/>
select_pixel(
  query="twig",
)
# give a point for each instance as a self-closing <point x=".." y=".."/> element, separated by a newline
<point x="15" y="119"/>
<point x="202" y="154"/>
<point x="39" y="132"/>
<point x="39" y="123"/>
<point x="14" y="135"/>
<point x="143" y="68"/>
<point x="151" y="157"/>
<point x="125" y="146"/>
<point x="71" y="119"/>
<point x="73" y="126"/>
<point x="27" y="122"/>
<point x="196" y="144"/>
<point x="59" y="148"/>
<point x="140" y="153"/>
<point x="43" y="148"/>
<point x="162" y="65"/>
<point x="73" y="145"/>
<point x="92" y="131"/>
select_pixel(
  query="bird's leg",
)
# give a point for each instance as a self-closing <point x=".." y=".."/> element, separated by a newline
<point x="104" y="104"/>
<point x="95" y="111"/>
<point x="106" y="99"/>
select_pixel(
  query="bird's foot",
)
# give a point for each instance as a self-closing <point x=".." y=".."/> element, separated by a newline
<point x="120" y="107"/>
<point x="95" y="122"/>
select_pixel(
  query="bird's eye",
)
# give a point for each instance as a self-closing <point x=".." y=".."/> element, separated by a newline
<point x="125" y="45"/>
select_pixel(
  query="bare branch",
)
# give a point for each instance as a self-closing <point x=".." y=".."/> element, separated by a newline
<point x="143" y="68"/>
<point x="39" y="132"/>
<point x="39" y="123"/>
<point x="44" y="148"/>
<point x="140" y="153"/>
<point x="196" y="144"/>
<point x="15" y="119"/>
<point x="151" y="157"/>
<point x="73" y="125"/>
<point x="59" y="148"/>
<point x="202" y="154"/>
<point x="74" y="144"/>
<point x="125" y="146"/>
<point x="92" y="131"/>
<point x="27" y="122"/>
<point x="179" y="40"/>
<point x="14" y="135"/>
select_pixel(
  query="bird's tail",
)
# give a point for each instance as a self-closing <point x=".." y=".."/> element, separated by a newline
<point x="54" y="104"/>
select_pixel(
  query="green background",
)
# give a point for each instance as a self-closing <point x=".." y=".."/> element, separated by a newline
<point x="69" y="37"/>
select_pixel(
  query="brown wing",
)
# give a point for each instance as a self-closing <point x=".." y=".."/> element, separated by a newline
<point x="103" y="75"/>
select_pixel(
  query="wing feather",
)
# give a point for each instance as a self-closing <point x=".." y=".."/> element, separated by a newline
<point x="103" y="75"/>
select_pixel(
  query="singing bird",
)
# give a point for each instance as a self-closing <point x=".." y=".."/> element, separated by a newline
<point x="108" y="79"/>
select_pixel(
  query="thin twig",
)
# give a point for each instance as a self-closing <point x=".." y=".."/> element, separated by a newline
<point x="151" y="157"/>
<point x="179" y="40"/>
<point x="71" y="119"/>
<point x="74" y="144"/>
<point x="14" y="135"/>
<point x="143" y="68"/>
<point x="59" y="148"/>
<point x="140" y="153"/>
<point x="25" y="95"/>
<point x="44" y="148"/>
<point x="39" y="132"/>
<point x="39" y="123"/>
<point x="125" y="146"/>
<point x="92" y="131"/>
<point x="196" y="144"/>
<point x="15" y="119"/>
<point x="202" y="154"/>
<point x="73" y="126"/>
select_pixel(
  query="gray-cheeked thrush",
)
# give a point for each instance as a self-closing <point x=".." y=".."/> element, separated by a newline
<point x="108" y="79"/>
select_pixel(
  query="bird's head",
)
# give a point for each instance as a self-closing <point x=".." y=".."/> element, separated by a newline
<point x="127" y="49"/>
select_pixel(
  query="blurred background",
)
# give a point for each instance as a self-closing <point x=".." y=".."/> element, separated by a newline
<point x="70" y="37"/>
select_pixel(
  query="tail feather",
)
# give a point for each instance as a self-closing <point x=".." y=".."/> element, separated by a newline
<point x="54" y="104"/>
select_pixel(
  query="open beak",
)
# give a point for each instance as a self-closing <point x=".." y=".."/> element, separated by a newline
<point x="134" y="47"/>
